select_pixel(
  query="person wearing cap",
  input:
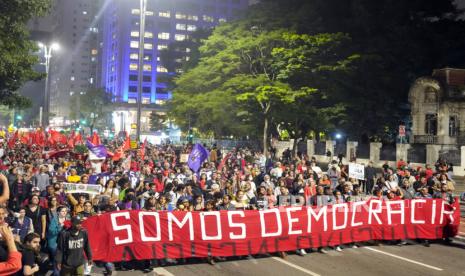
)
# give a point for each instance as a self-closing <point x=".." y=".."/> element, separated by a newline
<point x="73" y="249"/>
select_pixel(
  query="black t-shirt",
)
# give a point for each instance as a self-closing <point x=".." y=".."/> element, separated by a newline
<point x="36" y="217"/>
<point x="28" y="258"/>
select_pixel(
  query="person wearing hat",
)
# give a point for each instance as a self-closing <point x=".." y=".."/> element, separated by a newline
<point x="72" y="245"/>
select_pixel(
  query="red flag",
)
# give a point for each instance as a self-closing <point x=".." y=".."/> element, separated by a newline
<point x="71" y="139"/>
<point x="142" y="149"/>
<point x="12" y="140"/>
<point x="25" y="139"/>
<point x="95" y="139"/>
<point x="127" y="143"/>
<point x="40" y="138"/>
<point x="78" y="139"/>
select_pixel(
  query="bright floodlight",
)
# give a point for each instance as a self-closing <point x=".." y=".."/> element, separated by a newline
<point x="338" y="136"/>
<point x="55" y="46"/>
<point x="41" y="45"/>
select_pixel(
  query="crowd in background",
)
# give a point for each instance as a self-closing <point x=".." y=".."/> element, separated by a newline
<point x="43" y="219"/>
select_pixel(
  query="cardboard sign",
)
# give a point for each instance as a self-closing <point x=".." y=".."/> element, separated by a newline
<point x="356" y="171"/>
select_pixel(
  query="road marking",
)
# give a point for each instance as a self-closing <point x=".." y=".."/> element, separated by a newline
<point x="162" y="272"/>
<point x="306" y="271"/>
<point x="404" y="259"/>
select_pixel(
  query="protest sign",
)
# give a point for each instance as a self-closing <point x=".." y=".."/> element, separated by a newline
<point x="356" y="171"/>
<point x="74" y="188"/>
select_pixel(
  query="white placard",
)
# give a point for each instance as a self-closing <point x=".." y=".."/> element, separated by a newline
<point x="356" y="171"/>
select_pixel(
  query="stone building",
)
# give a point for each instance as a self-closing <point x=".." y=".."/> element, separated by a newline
<point x="438" y="108"/>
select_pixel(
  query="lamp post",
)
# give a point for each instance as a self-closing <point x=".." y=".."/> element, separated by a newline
<point x="44" y="122"/>
<point x="143" y="8"/>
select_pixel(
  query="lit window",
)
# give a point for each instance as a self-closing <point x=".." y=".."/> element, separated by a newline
<point x="148" y="46"/>
<point x="91" y="80"/>
<point x="207" y="18"/>
<point x="147" y="57"/>
<point x="188" y="58"/>
<point x="222" y="20"/>
<point x="145" y="100"/>
<point x="179" y="71"/>
<point x="94" y="52"/>
<point x="181" y="27"/>
<point x="149" y="13"/>
<point x="179" y="37"/>
<point x="191" y="28"/>
<point x="134" y="44"/>
<point x="72" y="78"/>
<point x="163" y="35"/>
<point x="193" y="17"/>
<point x="147" y="67"/>
<point x="84" y="12"/>
<point x="161" y="69"/>
<point x="113" y="68"/>
<point x="188" y="50"/>
<point x="132" y="100"/>
<point x="135" y="11"/>
<point x="148" y="35"/>
<point x="135" y="34"/>
<point x="133" y="66"/>
<point x="166" y="14"/>
<point x="134" y="56"/>
<point x="160" y="102"/>
<point x="93" y="59"/>
<point x="180" y="16"/>
<point x="71" y="93"/>
<point x="158" y="58"/>
<point x="162" y="46"/>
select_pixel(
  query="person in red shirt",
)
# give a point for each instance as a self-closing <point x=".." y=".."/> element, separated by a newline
<point x="13" y="263"/>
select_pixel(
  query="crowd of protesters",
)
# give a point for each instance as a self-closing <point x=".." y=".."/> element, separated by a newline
<point x="45" y="222"/>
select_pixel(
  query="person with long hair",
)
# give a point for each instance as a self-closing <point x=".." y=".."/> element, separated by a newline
<point x="38" y="215"/>
<point x="56" y="225"/>
<point x="23" y="224"/>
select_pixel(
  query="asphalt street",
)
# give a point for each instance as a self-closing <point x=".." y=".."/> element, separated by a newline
<point x="412" y="259"/>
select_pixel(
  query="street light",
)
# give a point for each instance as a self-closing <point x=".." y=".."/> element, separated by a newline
<point x="143" y="8"/>
<point x="44" y="122"/>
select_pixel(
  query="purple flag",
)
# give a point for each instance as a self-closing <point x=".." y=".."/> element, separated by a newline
<point x="196" y="157"/>
<point x="100" y="151"/>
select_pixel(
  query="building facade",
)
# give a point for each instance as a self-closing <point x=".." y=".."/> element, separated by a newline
<point x="438" y="108"/>
<point x="74" y="68"/>
<point x="166" y="22"/>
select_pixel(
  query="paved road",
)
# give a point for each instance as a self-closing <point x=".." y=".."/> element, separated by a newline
<point x="414" y="259"/>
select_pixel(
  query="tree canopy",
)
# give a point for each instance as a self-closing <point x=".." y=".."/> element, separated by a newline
<point x="16" y="50"/>
<point x="317" y="65"/>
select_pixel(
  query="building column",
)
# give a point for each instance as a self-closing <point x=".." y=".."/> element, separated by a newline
<point x="402" y="151"/>
<point x="351" y="150"/>
<point x="310" y="148"/>
<point x="375" y="152"/>
<point x="432" y="153"/>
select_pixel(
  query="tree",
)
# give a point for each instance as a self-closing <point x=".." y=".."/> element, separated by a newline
<point x="252" y="71"/>
<point x="91" y="108"/>
<point x="16" y="50"/>
<point x="397" y="40"/>
<point x="157" y="121"/>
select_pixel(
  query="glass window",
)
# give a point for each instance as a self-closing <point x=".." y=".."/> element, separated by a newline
<point x="431" y="124"/>
<point x="166" y="14"/>
<point x="191" y="28"/>
<point x="193" y="17"/>
<point x="162" y="46"/>
<point x="179" y="37"/>
<point x="181" y="27"/>
<point x="148" y="46"/>
<point x="180" y="15"/>
<point x="149" y="13"/>
<point x="146" y="89"/>
<point x="134" y="56"/>
<point x="148" y="35"/>
<point x="207" y="18"/>
<point x="134" y="44"/>
<point x="133" y="66"/>
<point x="147" y="57"/>
<point x="147" y="67"/>
<point x="135" y="11"/>
<point x="222" y="20"/>
<point x="147" y="79"/>
<point x="453" y="126"/>
<point x="133" y="77"/>
<point x="146" y="100"/>
<point x="132" y="100"/>
<point x="132" y="88"/>
<point x="135" y="33"/>
<point x="161" y="69"/>
<point x="164" y="35"/>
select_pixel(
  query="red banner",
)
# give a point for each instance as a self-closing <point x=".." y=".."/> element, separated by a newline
<point x="127" y="235"/>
